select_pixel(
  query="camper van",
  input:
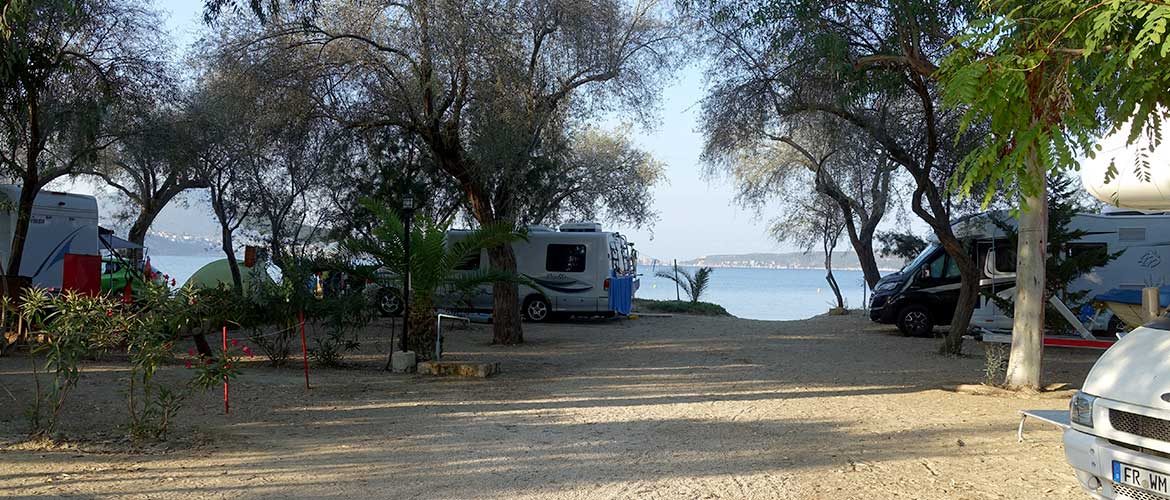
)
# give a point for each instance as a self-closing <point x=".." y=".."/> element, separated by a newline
<point x="924" y="293"/>
<point x="61" y="250"/>
<point x="579" y="269"/>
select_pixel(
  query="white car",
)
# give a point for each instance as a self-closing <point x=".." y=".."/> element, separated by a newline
<point x="1119" y="439"/>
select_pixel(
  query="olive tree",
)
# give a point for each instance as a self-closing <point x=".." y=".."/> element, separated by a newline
<point x="488" y="88"/>
<point x="769" y="161"/>
<point x="869" y="65"/>
<point x="65" y="66"/>
<point x="148" y="166"/>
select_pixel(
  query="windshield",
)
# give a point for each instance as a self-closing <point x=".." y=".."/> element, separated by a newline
<point x="926" y="253"/>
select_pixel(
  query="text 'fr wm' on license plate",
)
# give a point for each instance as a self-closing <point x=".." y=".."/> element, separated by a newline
<point x="1140" y="477"/>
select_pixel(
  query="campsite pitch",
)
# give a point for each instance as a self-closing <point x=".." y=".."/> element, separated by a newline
<point x="665" y="407"/>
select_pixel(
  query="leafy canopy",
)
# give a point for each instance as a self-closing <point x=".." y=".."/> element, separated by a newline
<point x="1049" y="77"/>
<point x="433" y="261"/>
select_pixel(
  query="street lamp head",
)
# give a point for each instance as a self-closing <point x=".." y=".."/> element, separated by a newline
<point x="408" y="201"/>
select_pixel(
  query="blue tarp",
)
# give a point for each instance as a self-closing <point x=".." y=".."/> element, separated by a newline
<point x="1133" y="296"/>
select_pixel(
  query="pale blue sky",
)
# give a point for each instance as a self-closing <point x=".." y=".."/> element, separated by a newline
<point x="697" y="216"/>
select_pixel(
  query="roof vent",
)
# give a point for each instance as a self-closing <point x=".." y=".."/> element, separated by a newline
<point x="581" y="227"/>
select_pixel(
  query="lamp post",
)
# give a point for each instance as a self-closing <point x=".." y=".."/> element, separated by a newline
<point x="408" y="210"/>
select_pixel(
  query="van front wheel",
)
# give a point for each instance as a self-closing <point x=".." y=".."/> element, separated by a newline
<point x="915" y="321"/>
<point x="537" y="309"/>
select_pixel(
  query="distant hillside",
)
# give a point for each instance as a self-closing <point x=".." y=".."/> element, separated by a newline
<point x="788" y="260"/>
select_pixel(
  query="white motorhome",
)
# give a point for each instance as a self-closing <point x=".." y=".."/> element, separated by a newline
<point x="1142" y="241"/>
<point x="1118" y="440"/>
<point x="579" y="269"/>
<point x="61" y="250"/>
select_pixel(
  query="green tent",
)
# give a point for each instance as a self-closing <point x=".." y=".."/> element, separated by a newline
<point x="217" y="272"/>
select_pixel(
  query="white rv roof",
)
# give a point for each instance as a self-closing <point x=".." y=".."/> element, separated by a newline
<point x="53" y="199"/>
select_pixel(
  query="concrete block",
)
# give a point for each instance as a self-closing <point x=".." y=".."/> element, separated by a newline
<point x="403" y="361"/>
<point x="458" y="368"/>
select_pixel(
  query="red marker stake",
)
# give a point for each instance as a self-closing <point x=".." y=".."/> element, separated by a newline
<point x="304" y="346"/>
<point x="226" y="405"/>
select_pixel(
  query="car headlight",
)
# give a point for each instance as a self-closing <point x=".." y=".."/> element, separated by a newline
<point x="887" y="286"/>
<point x="1080" y="409"/>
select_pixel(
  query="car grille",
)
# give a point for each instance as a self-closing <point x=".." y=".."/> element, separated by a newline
<point x="1136" y="494"/>
<point x="1140" y="425"/>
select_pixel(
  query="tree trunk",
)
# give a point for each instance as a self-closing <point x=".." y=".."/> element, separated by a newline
<point x="828" y="248"/>
<point x="230" y="252"/>
<point x="1028" y="320"/>
<point x="506" y="327"/>
<point x="862" y="244"/>
<point x="24" y="208"/>
<point x="141" y="226"/>
<point x="968" y="293"/>
<point x="423" y="329"/>
<point x="836" y="288"/>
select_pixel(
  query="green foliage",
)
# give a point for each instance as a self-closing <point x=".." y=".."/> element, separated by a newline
<point x="1049" y="77"/>
<point x="905" y="245"/>
<point x="680" y="307"/>
<point x="63" y="329"/>
<point x="433" y="264"/>
<point x="342" y="315"/>
<point x="692" y="284"/>
<point x="67" y="327"/>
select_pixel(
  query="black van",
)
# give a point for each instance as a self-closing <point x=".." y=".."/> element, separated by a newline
<point x="919" y="296"/>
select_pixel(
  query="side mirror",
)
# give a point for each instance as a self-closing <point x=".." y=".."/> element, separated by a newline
<point x="924" y="273"/>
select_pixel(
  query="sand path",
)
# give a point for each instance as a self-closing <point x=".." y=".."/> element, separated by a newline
<point x="681" y="407"/>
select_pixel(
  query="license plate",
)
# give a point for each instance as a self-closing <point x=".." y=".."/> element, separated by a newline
<point x="1139" y="477"/>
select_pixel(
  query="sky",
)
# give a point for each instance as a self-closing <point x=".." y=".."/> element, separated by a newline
<point x="697" y="216"/>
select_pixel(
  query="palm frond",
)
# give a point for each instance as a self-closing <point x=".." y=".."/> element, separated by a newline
<point x="679" y="277"/>
<point x="699" y="284"/>
<point x="433" y="259"/>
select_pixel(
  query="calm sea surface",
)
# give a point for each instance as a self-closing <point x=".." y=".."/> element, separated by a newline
<point x="776" y="294"/>
<point x="180" y="267"/>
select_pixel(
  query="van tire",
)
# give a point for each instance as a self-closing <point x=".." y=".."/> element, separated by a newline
<point x="537" y="309"/>
<point x="915" y="321"/>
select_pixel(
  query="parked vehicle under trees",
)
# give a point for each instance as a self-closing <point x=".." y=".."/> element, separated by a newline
<point x="1048" y="79"/>
<point x="872" y="67"/>
<point x="491" y="90"/>
<point x="66" y="64"/>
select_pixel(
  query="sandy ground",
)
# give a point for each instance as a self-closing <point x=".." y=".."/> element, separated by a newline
<point x="679" y="407"/>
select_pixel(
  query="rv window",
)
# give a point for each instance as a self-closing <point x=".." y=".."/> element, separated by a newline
<point x="1098" y="252"/>
<point x="1005" y="258"/>
<point x="565" y="258"/>
<point x="471" y="263"/>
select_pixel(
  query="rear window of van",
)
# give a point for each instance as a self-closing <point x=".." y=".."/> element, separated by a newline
<point x="565" y="258"/>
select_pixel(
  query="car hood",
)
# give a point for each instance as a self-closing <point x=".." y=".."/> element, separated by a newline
<point x="1134" y="370"/>
<point x="890" y="278"/>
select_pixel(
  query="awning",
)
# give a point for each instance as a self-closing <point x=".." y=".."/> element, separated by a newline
<point x="112" y="242"/>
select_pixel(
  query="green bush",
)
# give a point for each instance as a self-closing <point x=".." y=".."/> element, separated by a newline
<point x="680" y="307"/>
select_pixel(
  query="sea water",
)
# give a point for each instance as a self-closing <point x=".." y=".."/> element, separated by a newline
<point x="772" y="294"/>
<point x="180" y="267"/>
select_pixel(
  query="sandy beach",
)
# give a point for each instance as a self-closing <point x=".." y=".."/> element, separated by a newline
<point x="658" y="407"/>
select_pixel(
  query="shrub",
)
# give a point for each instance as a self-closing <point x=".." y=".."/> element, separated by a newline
<point x="681" y="307"/>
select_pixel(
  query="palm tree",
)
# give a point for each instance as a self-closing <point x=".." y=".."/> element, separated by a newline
<point x="694" y="284"/>
<point x="433" y="262"/>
